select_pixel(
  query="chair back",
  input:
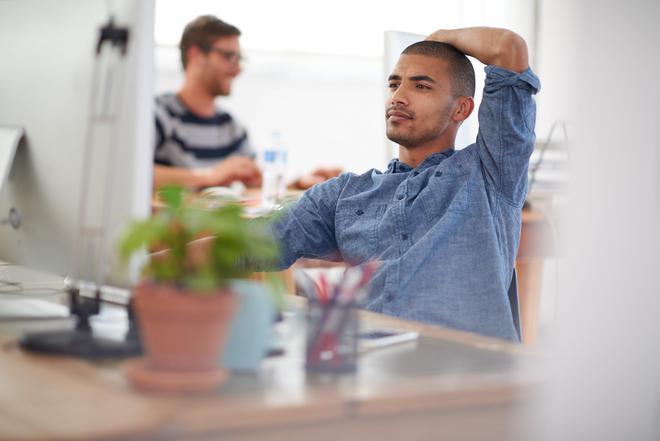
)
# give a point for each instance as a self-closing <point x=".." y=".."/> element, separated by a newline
<point x="513" y="302"/>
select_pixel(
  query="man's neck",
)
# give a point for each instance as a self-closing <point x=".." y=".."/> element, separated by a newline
<point x="415" y="156"/>
<point x="197" y="100"/>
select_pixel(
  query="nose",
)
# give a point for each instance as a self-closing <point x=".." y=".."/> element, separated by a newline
<point x="236" y="69"/>
<point x="398" y="96"/>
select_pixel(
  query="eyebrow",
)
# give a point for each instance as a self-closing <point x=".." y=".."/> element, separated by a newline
<point x="413" y="78"/>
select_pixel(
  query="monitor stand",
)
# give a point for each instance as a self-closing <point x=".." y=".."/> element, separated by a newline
<point x="81" y="342"/>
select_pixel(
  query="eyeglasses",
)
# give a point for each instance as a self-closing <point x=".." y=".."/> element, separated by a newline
<point x="231" y="56"/>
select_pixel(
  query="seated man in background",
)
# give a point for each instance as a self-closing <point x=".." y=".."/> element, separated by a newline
<point x="444" y="223"/>
<point x="197" y="144"/>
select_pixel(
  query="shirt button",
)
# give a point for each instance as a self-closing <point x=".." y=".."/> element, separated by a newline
<point x="404" y="236"/>
<point x="389" y="297"/>
<point x="399" y="197"/>
<point x="359" y="212"/>
<point x="438" y="174"/>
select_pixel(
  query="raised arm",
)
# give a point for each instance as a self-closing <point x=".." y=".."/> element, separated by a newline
<point x="491" y="46"/>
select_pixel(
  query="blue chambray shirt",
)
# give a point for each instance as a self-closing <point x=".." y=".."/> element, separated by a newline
<point x="446" y="232"/>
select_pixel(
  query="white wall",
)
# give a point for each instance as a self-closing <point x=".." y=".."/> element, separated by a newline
<point x="555" y="63"/>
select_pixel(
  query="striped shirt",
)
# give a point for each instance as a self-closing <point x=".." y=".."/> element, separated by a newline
<point x="184" y="139"/>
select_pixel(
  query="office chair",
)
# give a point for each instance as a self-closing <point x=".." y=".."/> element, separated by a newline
<point x="513" y="302"/>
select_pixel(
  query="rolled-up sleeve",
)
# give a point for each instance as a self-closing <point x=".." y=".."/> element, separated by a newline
<point x="505" y="141"/>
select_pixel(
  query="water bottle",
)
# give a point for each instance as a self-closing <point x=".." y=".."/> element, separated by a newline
<point x="269" y="187"/>
<point x="274" y="173"/>
<point x="281" y="172"/>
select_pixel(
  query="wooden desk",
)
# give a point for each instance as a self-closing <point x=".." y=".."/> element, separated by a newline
<point x="450" y="384"/>
<point x="535" y="246"/>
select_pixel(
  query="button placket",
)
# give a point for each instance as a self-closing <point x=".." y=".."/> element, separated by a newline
<point x="401" y="218"/>
<point x="402" y="190"/>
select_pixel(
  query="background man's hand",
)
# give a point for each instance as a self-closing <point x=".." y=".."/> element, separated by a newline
<point x="317" y="176"/>
<point x="234" y="168"/>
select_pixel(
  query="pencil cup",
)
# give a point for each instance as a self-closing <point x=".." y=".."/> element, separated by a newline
<point x="331" y="337"/>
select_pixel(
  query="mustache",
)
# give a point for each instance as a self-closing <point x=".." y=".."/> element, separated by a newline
<point x="397" y="109"/>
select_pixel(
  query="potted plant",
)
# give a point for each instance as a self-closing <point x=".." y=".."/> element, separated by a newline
<point x="184" y="304"/>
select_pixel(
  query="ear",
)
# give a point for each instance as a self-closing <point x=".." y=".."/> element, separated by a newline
<point x="463" y="109"/>
<point x="193" y="53"/>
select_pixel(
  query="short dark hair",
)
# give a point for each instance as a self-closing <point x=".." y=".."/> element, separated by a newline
<point x="202" y="32"/>
<point x="460" y="67"/>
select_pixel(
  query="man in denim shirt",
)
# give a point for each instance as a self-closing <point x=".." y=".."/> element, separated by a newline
<point x="444" y="223"/>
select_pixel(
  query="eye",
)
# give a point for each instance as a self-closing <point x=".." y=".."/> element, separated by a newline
<point x="422" y="86"/>
<point x="393" y="85"/>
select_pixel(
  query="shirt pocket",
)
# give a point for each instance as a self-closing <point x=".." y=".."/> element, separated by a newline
<point x="446" y="193"/>
<point x="357" y="230"/>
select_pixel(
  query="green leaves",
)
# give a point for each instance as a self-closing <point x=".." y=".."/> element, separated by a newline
<point x="232" y="247"/>
<point x="173" y="197"/>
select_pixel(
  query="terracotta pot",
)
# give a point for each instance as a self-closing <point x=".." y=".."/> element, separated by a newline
<point x="182" y="330"/>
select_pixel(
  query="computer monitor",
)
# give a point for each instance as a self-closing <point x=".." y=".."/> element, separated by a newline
<point x="83" y="114"/>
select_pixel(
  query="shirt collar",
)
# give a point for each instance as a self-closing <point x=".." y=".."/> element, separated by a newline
<point x="396" y="166"/>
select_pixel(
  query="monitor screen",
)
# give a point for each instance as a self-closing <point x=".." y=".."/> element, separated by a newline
<point x="84" y="166"/>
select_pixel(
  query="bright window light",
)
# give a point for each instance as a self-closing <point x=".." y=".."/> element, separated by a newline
<point x="351" y="27"/>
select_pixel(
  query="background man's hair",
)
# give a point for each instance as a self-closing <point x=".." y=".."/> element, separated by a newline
<point x="202" y="32"/>
<point x="461" y="70"/>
